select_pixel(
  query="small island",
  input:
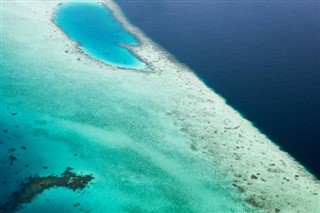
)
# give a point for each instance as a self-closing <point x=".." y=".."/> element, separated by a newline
<point x="36" y="185"/>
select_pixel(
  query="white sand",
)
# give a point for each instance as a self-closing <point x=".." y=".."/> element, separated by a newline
<point x="257" y="171"/>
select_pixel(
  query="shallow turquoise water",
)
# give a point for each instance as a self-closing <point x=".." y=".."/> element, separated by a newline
<point x="113" y="125"/>
<point x="98" y="33"/>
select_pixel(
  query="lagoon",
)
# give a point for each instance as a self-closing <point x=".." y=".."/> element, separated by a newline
<point x="99" y="35"/>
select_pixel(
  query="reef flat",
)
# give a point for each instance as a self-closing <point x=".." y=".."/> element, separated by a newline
<point x="155" y="140"/>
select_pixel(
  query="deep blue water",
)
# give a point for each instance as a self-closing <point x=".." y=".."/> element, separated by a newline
<point x="263" y="57"/>
<point x="98" y="33"/>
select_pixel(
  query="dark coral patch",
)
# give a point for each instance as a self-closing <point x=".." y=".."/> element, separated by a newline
<point x="36" y="185"/>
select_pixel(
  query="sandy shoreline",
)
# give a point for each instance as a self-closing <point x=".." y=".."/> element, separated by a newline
<point x="262" y="175"/>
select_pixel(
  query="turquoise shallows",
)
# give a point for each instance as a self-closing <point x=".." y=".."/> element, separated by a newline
<point x="112" y="125"/>
<point x="98" y="33"/>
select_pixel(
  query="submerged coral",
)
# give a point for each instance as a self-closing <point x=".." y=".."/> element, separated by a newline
<point x="36" y="185"/>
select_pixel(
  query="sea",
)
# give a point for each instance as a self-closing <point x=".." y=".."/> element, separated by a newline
<point x="263" y="57"/>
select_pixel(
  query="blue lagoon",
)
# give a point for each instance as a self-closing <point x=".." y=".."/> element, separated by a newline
<point x="97" y="32"/>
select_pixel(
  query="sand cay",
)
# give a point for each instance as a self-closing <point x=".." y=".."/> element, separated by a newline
<point x="155" y="140"/>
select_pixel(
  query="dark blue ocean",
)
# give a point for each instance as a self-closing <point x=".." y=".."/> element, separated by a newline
<point x="263" y="57"/>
